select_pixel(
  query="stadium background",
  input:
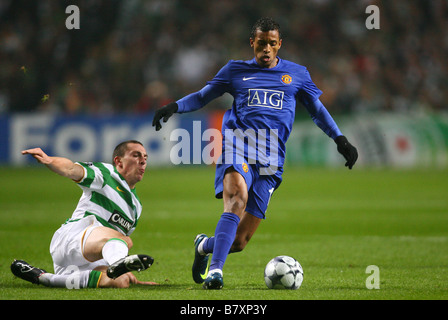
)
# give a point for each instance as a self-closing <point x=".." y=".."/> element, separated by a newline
<point x="76" y="93"/>
<point x="71" y="91"/>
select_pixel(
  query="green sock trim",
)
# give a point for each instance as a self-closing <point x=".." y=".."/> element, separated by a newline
<point x="94" y="279"/>
<point x="118" y="240"/>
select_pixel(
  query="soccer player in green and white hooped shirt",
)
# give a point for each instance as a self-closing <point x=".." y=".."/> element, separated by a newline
<point x="91" y="248"/>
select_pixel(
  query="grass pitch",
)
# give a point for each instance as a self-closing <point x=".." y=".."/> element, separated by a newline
<point x="335" y="222"/>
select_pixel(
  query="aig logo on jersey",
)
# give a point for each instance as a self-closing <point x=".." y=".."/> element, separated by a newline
<point x="265" y="98"/>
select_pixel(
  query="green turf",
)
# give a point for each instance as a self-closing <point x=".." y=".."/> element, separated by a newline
<point x="336" y="222"/>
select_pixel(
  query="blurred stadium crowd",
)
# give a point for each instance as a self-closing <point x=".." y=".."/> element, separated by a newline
<point x="136" y="55"/>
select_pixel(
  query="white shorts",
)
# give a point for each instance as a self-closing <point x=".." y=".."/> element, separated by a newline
<point x="67" y="244"/>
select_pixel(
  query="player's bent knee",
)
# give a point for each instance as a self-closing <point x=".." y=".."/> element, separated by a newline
<point x="234" y="193"/>
<point x="235" y="202"/>
<point x="129" y="242"/>
<point x="236" y="205"/>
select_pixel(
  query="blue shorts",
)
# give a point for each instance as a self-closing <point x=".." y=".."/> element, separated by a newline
<point x="260" y="187"/>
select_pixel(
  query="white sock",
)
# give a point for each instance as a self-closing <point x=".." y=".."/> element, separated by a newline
<point x="114" y="250"/>
<point x="213" y="271"/>
<point x="75" y="280"/>
<point x="201" y="248"/>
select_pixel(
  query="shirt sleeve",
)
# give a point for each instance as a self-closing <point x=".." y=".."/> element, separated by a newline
<point x="93" y="175"/>
<point x="323" y="119"/>
<point x="213" y="89"/>
<point x="197" y="100"/>
<point x="309" y="92"/>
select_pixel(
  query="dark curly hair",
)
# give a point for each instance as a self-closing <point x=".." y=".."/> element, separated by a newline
<point x="265" y="24"/>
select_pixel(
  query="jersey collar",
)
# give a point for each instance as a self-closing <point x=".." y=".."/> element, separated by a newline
<point x="255" y="63"/>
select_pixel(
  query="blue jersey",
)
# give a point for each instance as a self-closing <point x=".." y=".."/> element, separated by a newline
<point x="264" y="106"/>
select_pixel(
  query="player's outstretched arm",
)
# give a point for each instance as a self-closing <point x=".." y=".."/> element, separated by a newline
<point x="62" y="166"/>
<point x="189" y="103"/>
<point x="123" y="281"/>
<point x="323" y="120"/>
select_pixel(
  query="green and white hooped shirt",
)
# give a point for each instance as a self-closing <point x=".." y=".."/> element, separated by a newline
<point x="107" y="196"/>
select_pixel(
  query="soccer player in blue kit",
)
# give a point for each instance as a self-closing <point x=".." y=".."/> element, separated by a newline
<point x="265" y="90"/>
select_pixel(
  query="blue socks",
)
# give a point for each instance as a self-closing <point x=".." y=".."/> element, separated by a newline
<point x="222" y="241"/>
<point x="208" y="245"/>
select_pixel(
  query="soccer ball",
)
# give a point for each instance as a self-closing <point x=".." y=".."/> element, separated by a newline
<point x="283" y="272"/>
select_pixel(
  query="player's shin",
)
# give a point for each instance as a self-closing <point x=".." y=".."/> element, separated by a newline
<point x="224" y="236"/>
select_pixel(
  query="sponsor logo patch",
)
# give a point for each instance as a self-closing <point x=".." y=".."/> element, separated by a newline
<point x="117" y="219"/>
<point x="265" y="98"/>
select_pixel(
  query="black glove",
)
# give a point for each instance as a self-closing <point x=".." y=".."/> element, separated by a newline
<point x="347" y="150"/>
<point x="165" y="112"/>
